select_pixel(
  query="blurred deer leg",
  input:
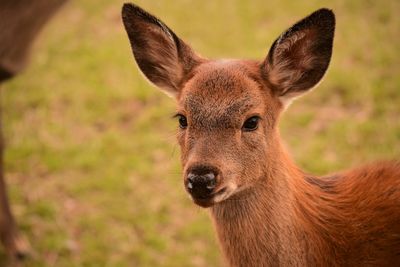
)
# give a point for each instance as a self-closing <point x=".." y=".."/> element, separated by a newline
<point x="14" y="244"/>
<point x="20" y="23"/>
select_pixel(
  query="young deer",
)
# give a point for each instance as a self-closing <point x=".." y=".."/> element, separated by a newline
<point x="266" y="211"/>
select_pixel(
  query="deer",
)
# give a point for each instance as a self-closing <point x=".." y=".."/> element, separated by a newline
<point x="20" y="24"/>
<point x="266" y="211"/>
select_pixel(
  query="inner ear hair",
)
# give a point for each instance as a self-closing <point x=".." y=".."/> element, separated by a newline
<point x="299" y="58"/>
<point x="160" y="54"/>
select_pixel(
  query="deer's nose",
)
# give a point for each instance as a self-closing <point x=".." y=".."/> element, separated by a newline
<point x="201" y="184"/>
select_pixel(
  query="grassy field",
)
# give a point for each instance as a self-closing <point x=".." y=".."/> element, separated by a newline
<point x="92" y="162"/>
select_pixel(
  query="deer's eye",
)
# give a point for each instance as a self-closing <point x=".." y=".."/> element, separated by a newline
<point x="251" y="124"/>
<point x="182" y="121"/>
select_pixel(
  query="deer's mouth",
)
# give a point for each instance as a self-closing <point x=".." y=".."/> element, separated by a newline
<point x="209" y="200"/>
<point x="219" y="196"/>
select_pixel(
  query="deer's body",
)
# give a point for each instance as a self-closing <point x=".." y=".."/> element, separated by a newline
<point x="349" y="219"/>
<point x="266" y="211"/>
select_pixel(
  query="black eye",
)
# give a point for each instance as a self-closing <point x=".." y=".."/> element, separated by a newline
<point x="251" y="124"/>
<point x="182" y="121"/>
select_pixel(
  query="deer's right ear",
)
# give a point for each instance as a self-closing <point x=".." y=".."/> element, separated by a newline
<point x="163" y="58"/>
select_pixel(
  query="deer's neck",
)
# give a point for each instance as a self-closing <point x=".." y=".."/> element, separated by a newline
<point x="271" y="224"/>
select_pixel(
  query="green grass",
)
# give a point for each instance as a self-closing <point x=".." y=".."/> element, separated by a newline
<point x="92" y="162"/>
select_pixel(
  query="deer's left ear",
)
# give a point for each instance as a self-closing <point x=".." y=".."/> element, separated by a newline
<point x="299" y="58"/>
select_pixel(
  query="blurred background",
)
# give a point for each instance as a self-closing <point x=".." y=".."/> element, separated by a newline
<point x="92" y="163"/>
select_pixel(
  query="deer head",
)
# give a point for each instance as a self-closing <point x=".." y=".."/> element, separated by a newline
<point x="228" y="110"/>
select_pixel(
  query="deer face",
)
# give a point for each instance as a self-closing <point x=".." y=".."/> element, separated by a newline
<point x="227" y="109"/>
<point x="225" y="116"/>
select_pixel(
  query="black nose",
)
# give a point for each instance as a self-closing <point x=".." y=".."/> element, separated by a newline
<point x="201" y="182"/>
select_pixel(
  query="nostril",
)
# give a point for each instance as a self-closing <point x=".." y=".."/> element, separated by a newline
<point x="210" y="176"/>
<point x="189" y="185"/>
<point x="211" y="181"/>
<point x="191" y="180"/>
<point x="191" y="177"/>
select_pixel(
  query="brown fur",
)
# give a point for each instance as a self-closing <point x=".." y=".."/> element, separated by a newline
<point x="20" y="23"/>
<point x="266" y="211"/>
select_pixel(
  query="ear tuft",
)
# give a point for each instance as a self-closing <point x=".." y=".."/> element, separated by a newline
<point x="299" y="58"/>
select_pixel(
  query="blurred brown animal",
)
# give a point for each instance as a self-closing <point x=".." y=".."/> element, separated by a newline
<point x="20" y="23"/>
<point x="266" y="211"/>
